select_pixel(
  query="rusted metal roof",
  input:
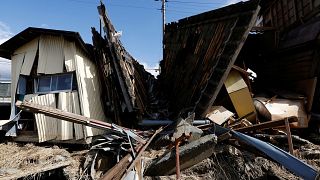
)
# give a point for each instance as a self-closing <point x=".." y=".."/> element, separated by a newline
<point x="199" y="52"/>
<point x="7" y="48"/>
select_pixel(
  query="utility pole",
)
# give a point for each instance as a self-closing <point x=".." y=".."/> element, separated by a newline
<point x="163" y="10"/>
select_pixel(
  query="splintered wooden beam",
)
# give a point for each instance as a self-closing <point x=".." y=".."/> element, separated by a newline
<point x="75" y="118"/>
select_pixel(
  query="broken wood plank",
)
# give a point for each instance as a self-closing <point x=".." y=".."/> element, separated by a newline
<point x="142" y="150"/>
<point x="117" y="171"/>
<point x="289" y="136"/>
<point x="267" y="125"/>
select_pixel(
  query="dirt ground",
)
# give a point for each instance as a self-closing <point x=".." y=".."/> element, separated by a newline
<point x="231" y="163"/>
<point x="28" y="160"/>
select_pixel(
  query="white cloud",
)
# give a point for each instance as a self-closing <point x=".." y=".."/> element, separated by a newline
<point x="234" y="1"/>
<point x="152" y="69"/>
<point x="5" y="32"/>
<point x="44" y="25"/>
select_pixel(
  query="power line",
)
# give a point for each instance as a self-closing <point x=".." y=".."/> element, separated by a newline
<point x="193" y="2"/>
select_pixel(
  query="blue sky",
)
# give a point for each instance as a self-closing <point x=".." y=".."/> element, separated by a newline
<point x="139" y="20"/>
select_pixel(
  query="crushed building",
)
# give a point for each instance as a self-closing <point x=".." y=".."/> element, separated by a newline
<point x="64" y="90"/>
<point x="53" y="68"/>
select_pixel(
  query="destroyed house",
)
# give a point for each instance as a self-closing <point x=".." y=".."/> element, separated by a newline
<point x="52" y="68"/>
<point x="199" y="53"/>
<point x="283" y="50"/>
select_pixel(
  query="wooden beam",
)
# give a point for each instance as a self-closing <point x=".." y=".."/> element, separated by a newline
<point x="75" y="118"/>
<point x="142" y="150"/>
<point x="289" y="136"/>
<point x="267" y="125"/>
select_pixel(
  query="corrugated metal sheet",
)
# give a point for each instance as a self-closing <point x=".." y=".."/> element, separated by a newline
<point x="69" y="55"/>
<point x="16" y="64"/>
<point x="199" y="52"/>
<point x="47" y="126"/>
<point x="89" y="91"/>
<point x="51" y="56"/>
<point x="65" y="128"/>
<point x="30" y="51"/>
<point x="78" y="128"/>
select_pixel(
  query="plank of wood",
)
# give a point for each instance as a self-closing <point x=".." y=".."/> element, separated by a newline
<point x="57" y="113"/>
<point x="267" y="125"/>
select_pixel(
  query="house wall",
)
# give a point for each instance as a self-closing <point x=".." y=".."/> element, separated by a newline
<point x="51" y="55"/>
<point x="283" y="13"/>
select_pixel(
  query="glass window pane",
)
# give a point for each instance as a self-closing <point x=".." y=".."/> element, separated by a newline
<point x="22" y="85"/>
<point x="44" y="84"/>
<point x="64" y="82"/>
<point x="54" y="83"/>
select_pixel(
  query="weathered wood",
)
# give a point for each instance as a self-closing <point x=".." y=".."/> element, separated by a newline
<point x="117" y="171"/>
<point x="75" y="118"/>
<point x="289" y="136"/>
<point x="198" y="51"/>
<point x="267" y="125"/>
<point x="142" y="149"/>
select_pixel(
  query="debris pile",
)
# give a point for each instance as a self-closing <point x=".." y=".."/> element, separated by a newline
<point x="30" y="161"/>
<point x="206" y="116"/>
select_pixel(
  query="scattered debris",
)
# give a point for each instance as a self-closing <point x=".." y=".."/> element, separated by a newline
<point x="242" y="130"/>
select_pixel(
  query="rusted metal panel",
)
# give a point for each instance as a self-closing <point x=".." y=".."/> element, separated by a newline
<point x="199" y="52"/>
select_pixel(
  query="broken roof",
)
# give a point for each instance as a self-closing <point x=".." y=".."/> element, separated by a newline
<point x="199" y="52"/>
<point x="25" y="36"/>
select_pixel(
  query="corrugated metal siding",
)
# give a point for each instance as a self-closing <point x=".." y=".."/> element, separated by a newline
<point x="16" y="64"/>
<point x="47" y="127"/>
<point x="65" y="128"/>
<point x="51" y="56"/>
<point x="89" y="91"/>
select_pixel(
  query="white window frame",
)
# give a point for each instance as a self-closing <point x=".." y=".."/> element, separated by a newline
<point x="36" y="83"/>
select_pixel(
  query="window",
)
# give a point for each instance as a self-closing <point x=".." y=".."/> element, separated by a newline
<point x="5" y="89"/>
<point x="55" y="83"/>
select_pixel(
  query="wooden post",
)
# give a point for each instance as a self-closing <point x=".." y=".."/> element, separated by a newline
<point x="177" y="142"/>
<point x="289" y="136"/>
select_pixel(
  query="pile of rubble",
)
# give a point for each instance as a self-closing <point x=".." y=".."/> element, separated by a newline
<point x="206" y="116"/>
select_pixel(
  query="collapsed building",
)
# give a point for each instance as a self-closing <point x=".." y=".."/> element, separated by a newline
<point x="68" y="90"/>
<point x="283" y="51"/>
<point x="52" y="68"/>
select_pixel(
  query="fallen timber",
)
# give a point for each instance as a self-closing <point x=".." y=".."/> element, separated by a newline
<point x="75" y="118"/>
<point x="124" y="162"/>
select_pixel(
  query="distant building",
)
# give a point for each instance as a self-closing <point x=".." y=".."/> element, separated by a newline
<point x="53" y="68"/>
<point x="5" y="86"/>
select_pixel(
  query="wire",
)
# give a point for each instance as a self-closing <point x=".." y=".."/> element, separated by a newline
<point x="190" y="2"/>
